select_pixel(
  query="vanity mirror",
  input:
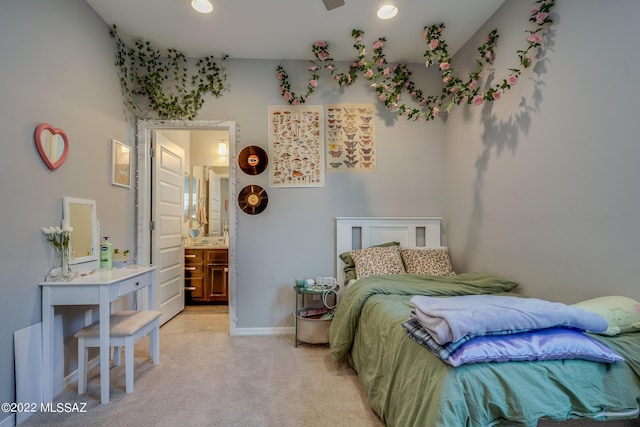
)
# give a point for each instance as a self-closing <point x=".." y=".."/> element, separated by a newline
<point x="52" y="144"/>
<point x="81" y="215"/>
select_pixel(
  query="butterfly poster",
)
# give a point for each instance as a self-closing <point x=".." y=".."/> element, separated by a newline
<point x="350" y="138"/>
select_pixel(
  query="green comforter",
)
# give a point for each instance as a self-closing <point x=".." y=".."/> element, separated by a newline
<point x="409" y="386"/>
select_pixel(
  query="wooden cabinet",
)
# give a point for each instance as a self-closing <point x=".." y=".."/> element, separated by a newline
<point x="194" y="273"/>
<point x="206" y="275"/>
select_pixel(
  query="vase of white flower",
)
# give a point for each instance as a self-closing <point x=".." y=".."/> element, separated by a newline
<point x="59" y="239"/>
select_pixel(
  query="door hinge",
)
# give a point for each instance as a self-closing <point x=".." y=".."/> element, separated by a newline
<point x="152" y="225"/>
<point x="152" y="152"/>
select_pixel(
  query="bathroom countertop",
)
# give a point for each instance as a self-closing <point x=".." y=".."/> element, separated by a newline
<point x="207" y="246"/>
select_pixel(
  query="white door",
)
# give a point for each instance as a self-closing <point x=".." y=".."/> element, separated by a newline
<point x="167" y="215"/>
<point x="215" y="218"/>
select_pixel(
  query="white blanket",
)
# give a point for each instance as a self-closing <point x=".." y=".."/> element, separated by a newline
<point x="451" y="319"/>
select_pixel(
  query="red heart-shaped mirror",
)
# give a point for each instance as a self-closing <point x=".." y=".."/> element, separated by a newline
<point x="52" y="144"/>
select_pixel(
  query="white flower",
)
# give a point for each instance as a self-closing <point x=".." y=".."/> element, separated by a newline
<point x="58" y="236"/>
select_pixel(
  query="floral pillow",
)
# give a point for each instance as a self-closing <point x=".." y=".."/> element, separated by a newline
<point x="434" y="261"/>
<point x="350" y="266"/>
<point x="377" y="260"/>
<point x="621" y="313"/>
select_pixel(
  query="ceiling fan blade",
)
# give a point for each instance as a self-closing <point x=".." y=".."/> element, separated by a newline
<point x="332" y="4"/>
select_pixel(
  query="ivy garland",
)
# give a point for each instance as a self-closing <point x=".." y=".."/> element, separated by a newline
<point x="164" y="81"/>
<point x="390" y="82"/>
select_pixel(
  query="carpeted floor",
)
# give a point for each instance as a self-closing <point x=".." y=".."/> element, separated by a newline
<point x="208" y="378"/>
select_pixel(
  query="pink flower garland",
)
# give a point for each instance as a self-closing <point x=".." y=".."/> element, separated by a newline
<point x="390" y="82"/>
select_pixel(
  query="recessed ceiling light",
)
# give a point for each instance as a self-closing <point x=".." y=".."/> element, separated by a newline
<point x="202" y="6"/>
<point x="387" y="11"/>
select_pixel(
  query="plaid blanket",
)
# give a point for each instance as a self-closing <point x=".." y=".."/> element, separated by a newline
<point x="444" y="351"/>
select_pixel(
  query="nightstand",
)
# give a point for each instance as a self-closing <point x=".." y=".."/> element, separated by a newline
<point x="309" y="330"/>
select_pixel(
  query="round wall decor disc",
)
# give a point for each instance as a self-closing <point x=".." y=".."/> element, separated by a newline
<point x="253" y="160"/>
<point x="253" y="199"/>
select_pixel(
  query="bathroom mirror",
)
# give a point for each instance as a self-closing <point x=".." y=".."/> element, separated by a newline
<point x="190" y="197"/>
<point x="81" y="215"/>
<point x="206" y="190"/>
<point x="52" y="144"/>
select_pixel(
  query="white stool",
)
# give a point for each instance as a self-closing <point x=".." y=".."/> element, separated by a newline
<point x="126" y="328"/>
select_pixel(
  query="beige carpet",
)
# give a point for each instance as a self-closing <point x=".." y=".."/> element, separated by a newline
<point x="207" y="378"/>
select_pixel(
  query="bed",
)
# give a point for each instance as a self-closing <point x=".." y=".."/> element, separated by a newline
<point x="408" y="385"/>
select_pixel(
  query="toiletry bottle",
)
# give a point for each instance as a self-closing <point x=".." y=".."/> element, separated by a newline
<point x="106" y="254"/>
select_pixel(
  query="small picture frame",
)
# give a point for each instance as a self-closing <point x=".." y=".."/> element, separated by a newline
<point x="120" y="164"/>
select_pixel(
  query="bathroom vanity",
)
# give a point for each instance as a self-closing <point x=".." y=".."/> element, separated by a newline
<point x="206" y="274"/>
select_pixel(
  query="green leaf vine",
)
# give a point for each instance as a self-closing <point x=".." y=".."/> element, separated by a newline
<point x="390" y="82"/>
<point x="164" y="81"/>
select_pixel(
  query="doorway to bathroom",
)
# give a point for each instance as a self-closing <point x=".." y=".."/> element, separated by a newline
<point x="199" y="217"/>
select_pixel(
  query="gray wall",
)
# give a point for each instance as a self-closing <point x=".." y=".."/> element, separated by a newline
<point x="57" y="67"/>
<point x="542" y="186"/>
<point x="295" y="234"/>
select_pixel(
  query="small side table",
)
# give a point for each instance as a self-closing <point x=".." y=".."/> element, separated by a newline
<point x="300" y="294"/>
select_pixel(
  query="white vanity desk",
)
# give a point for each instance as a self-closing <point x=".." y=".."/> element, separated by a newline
<point x="99" y="288"/>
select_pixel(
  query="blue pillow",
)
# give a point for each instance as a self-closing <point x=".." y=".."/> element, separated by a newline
<point x="542" y="344"/>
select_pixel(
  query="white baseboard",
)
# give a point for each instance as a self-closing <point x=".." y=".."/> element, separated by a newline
<point x="9" y="421"/>
<point x="265" y="331"/>
<point x="73" y="376"/>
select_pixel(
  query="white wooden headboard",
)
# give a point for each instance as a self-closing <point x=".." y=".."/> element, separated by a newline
<point x="362" y="232"/>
